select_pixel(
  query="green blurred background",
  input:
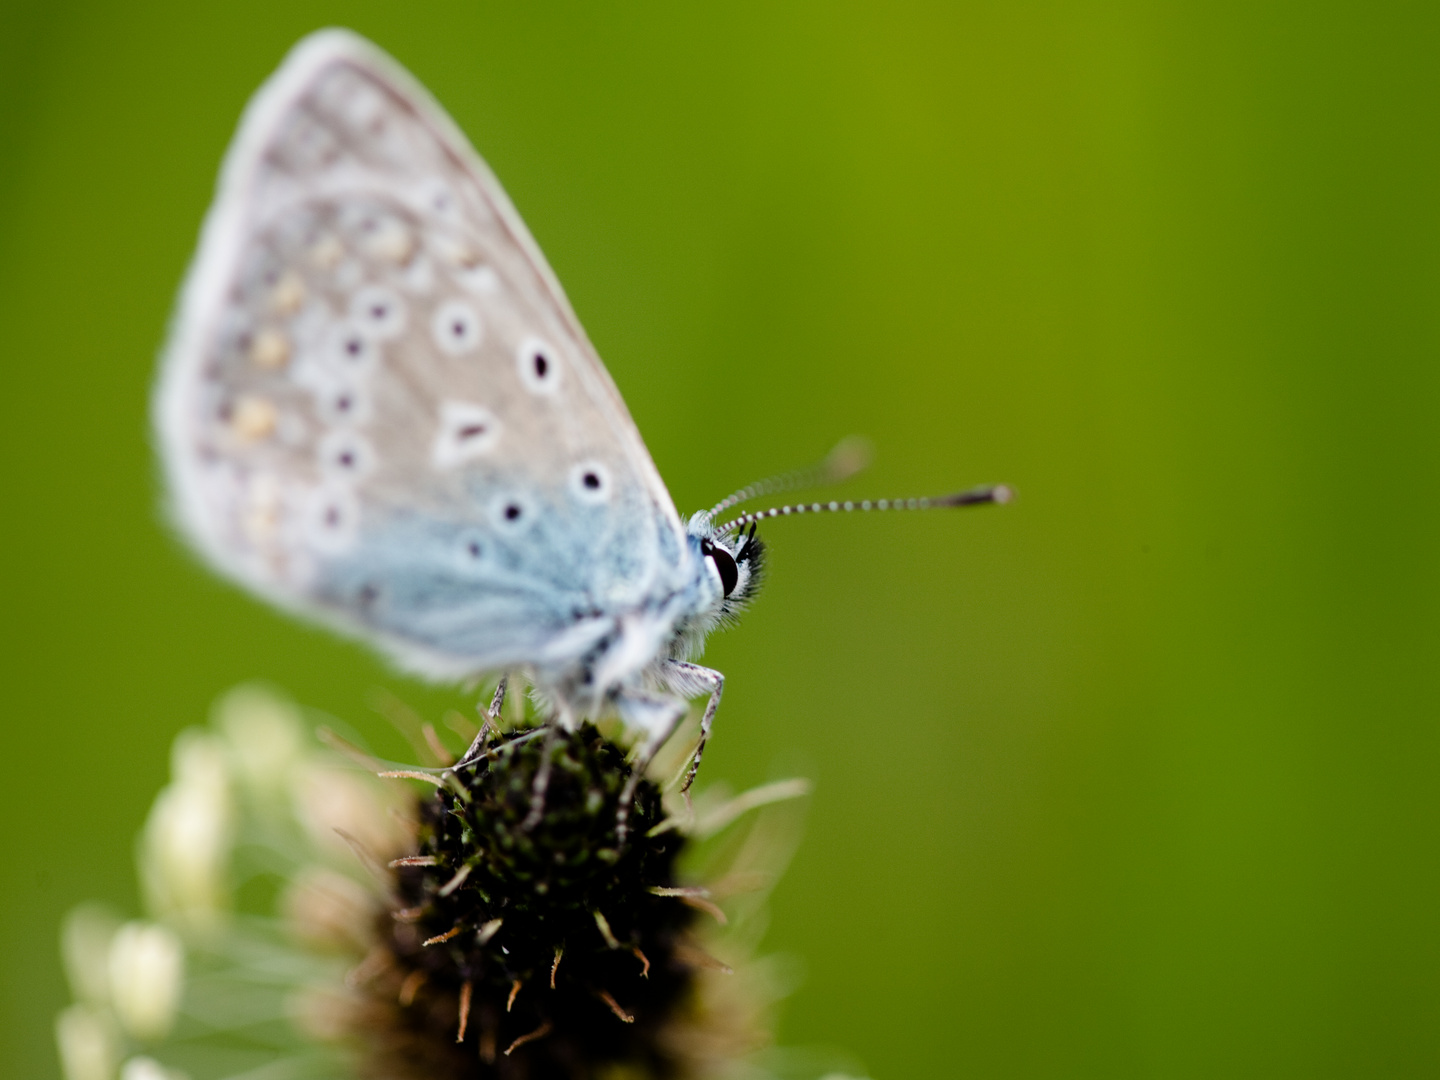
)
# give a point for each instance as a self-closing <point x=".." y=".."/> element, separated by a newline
<point x="1136" y="777"/>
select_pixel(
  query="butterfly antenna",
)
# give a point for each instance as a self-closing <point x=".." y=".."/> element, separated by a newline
<point x="849" y="456"/>
<point x="981" y="496"/>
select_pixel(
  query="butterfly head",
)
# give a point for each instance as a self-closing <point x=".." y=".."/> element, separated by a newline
<point x="733" y="560"/>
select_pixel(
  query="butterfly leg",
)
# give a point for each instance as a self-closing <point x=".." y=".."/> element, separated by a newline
<point x="691" y="679"/>
<point x="660" y="717"/>
<point x="491" y="718"/>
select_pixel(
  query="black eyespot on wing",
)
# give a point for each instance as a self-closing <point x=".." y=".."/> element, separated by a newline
<point x="589" y="482"/>
<point x="539" y="366"/>
<point x="724" y="563"/>
<point x="512" y="514"/>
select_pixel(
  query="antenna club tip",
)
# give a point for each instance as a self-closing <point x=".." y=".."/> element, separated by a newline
<point x="990" y="495"/>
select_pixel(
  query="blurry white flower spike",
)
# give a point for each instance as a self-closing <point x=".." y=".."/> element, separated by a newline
<point x="147" y="964"/>
<point x="416" y="932"/>
<point x="189" y="832"/>
<point x="378" y="410"/>
<point x="86" y="1043"/>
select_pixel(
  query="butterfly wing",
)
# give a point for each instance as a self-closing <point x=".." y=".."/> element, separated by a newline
<point x="377" y="407"/>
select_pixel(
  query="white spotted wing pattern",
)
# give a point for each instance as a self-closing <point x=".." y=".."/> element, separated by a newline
<point x="378" y="409"/>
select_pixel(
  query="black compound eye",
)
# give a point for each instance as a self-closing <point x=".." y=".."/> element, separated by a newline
<point x="725" y="563"/>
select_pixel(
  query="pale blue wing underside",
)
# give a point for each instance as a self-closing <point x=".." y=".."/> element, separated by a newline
<point x="461" y="587"/>
<point x="377" y="407"/>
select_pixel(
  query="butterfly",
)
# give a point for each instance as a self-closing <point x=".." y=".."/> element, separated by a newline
<point x="378" y="410"/>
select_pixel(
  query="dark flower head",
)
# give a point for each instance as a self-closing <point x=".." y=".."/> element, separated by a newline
<point x="493" y="925"/>
<point x="530" y="947"/>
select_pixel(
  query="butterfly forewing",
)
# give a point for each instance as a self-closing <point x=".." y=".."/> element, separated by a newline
<point x="378" y="406"/>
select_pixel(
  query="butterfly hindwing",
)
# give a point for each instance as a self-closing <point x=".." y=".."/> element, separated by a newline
<point x="377" y="405"/>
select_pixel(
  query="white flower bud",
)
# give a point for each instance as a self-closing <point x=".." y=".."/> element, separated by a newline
<point x="266" y="739"/>
<point x="147" y="1068"/>
<point x="197" y="759"/>
<point x="186" y="845"/>
<point x="85" y="945"/>
<point x="147" y="969"/>
<point x="86" y="1044"/>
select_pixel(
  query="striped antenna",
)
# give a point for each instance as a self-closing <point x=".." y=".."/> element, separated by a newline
<point x="849" y="456"/>
<point x="981" y="496"/>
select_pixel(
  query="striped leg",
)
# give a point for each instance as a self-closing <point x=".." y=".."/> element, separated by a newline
<point x="693" y="678"/>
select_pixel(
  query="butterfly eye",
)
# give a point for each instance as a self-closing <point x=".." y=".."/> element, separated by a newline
<point x="538" y="365"/>
<point x="724" y="564"/>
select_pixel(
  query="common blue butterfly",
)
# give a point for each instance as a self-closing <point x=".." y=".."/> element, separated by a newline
<point x="378" y="410"/>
